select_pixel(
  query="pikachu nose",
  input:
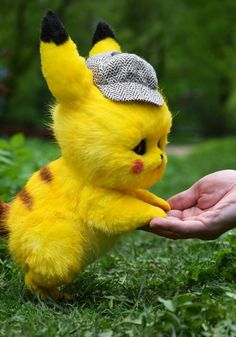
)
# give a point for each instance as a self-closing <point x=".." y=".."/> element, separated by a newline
<point x="162" y="156"/>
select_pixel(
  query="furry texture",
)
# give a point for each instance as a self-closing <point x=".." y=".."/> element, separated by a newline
<point x="72" y="211"/>
<point x="102" y="32"/>
<point x="53" y="30"/>
<point x="4" y="208"/>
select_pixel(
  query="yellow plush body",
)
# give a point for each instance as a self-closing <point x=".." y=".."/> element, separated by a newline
<point x="74" y="209"/>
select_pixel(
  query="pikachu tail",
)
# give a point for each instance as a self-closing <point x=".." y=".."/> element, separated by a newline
<point x="4" y="208"/>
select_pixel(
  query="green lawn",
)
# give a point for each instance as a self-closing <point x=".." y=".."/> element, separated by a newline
<point x="147" y="286"/>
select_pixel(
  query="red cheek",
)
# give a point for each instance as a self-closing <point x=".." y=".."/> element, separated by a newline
<point x="137" y="166"/>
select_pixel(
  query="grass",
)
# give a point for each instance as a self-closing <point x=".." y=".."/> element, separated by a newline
<point x="147" y="286"/>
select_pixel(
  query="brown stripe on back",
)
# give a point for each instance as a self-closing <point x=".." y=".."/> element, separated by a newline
<point x="45" y="174"/>
<point x="4" y="209"/>
<point x="26" y="198"/>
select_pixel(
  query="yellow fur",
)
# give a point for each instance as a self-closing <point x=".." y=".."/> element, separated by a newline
<point x="67" y="76"/>
<point x="105" y="45"/>
<point x="91" y="196"/>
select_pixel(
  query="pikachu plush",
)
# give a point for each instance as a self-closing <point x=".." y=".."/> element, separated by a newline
<point x="111" y="124"/>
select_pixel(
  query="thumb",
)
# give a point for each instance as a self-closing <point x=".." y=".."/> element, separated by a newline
<point x="185" y="199"/>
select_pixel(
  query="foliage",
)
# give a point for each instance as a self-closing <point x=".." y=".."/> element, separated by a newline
<point x="192" y="45"/>
<point x="18" y="160"/>
<point x="147" y="286"/>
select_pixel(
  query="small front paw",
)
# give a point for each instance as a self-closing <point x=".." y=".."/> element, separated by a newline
<point x="152" y="199"/>
<point x="163" y="204"/>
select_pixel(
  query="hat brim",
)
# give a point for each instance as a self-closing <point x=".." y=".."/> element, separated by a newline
<point x="131" y="91"/>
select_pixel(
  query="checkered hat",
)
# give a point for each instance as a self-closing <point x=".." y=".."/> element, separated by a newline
<point x="125" y="77"/>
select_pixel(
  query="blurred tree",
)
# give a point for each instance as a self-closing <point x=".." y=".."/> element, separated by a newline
<point x="192" y="45"/>
<point x="206" y="65"/>
<point x="24" y="94"/>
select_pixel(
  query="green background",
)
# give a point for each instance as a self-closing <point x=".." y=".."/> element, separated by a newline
<point x="147" y="286"/>
<point x="191" y="44"/>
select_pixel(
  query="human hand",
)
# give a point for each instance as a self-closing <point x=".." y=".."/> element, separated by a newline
<point x="204" y="211"/>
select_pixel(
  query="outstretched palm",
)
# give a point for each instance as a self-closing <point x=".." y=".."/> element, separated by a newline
<point x="205" y="211"/>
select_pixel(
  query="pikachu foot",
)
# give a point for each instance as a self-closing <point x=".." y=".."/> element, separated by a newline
<point x="43" y="293"/>
<point x="57" y="294"/>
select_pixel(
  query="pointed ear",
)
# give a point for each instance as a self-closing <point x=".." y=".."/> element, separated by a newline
<point x="64" y="69"/>
<point x="104" y="40"/>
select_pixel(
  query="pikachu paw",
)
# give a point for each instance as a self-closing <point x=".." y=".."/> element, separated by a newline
<point x="57" y="294"/>
<point x="45" y="293"/>
<point x="152" y="199"/>
<point x="159" y="202"/>
<point x="34" y="288"/>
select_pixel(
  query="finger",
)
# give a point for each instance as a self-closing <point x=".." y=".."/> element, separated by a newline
<point x="161" y="232"/>
<point x="168" y="223"/>
<point x="185" y="199"/>
<point x="186" y="229"/>
<point x="167" y="234"/>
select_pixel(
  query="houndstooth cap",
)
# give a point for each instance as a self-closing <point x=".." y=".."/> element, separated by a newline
<point x="125" y="77"/>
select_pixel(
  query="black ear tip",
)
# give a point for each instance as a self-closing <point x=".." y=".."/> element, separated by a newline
<point x="102" y="31"/>
<point x="51" y="13"/>
<point x="52" y="29"/>
<point x="50" y="18"/>
<point x="102" y="25"/>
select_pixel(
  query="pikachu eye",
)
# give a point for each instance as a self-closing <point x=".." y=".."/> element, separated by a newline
<point x="140" y="149"/>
